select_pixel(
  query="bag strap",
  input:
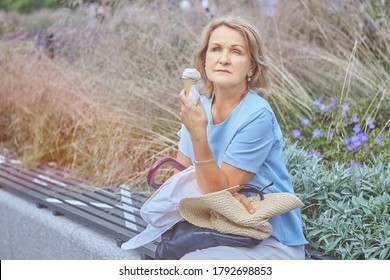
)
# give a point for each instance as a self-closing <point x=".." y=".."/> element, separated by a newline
<point x="254" y="189"/>
<point x="157" y="165"/>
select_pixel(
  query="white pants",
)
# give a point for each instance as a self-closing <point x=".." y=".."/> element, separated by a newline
<point x="268" y="249"/>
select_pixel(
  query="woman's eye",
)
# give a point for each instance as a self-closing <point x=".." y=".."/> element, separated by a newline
<point x="216" y="49"/>
<point x="236" y="52"/>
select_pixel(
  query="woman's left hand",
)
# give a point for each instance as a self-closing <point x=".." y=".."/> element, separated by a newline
<point x="245" y="201"/>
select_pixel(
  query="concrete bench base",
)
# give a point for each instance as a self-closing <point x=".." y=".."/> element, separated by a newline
<point x="33" y="233"/>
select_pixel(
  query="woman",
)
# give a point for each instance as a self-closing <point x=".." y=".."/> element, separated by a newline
<point x="232" y="136"/>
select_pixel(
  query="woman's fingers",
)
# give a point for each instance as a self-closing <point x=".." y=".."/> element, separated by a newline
<point x="183" y="98"/>
<point x="245" y="201"/>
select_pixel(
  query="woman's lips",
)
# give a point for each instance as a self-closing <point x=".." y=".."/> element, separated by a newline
<point x="223" y="71"/>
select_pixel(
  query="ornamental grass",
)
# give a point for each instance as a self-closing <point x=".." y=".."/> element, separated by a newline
<point x="106" y="106"/>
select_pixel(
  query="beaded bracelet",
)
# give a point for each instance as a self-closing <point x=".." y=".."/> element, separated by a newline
<point x="204" y="162"/>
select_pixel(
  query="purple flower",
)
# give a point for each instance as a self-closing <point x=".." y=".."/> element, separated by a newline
<point x="345" y="108"/>
<point x="317" y="102"/>
<point x="370" y="124"/>
<point x="296" y="134"/>
<point x="330" y="135"/>
<point x="355" y="140"/>
<point x="350" y="147"/>
<point x="348" y="144"/>
<point x="355" y="164"/>
<point x="305" y="122"/>
<point x="355" y="119"/>
<point x="353" y="143"/>
<point x="363" y="137"/>
<point x="323" y="108"/>
<point x="347" y="168"/>
<point x="379" y="139"/>
<point x="320" y="105"/>
<point x="356" y="129"/>
<point x="333" y="103"/>
<point x="314" y="153"/>
<point x="317" y="132"/>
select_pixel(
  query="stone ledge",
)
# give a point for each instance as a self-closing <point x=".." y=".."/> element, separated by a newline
<point x="33" y="233"/>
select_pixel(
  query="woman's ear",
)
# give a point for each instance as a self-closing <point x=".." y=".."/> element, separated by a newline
<point x="252" y="68"/>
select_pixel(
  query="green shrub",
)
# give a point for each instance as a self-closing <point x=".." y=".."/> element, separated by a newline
<point x="347" y="212"/>
<point x="27" y="6"/>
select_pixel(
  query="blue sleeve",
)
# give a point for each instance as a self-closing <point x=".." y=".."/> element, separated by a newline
<point x="252" y="144"/>
<point x="185" y="144"/>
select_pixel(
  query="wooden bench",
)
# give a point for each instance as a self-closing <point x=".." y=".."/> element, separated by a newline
<point x="114" y="212"/>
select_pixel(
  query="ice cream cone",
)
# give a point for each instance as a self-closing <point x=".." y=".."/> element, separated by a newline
<point x="188" y="83"/>
<point x="190" y="77"/>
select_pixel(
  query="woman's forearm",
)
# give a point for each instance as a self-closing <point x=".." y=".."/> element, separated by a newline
<point x="210" y="176"/>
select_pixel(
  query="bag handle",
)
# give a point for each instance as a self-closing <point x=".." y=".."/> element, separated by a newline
<point x="157" y="165"/>
<point x="254" y="189"/>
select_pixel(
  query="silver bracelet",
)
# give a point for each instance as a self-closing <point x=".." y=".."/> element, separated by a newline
<point x="204" y="162"/>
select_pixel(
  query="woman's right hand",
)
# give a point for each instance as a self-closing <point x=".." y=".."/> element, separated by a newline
<point x="193" y="117"/>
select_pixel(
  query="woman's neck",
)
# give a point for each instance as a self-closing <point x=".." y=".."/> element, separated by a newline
<point x="224" y="103"/>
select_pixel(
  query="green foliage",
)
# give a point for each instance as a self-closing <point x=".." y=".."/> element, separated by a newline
<point x="27" y="6"/>
<point x="74" y="4"/>
<point x="347" y="210"/>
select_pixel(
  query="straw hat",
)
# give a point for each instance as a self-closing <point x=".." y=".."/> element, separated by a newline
<point x="220" y="211"/>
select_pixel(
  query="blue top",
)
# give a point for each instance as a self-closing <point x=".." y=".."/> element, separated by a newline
<point x="250" y="139"/>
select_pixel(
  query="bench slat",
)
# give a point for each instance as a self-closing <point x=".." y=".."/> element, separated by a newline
<point x="67" y="192"/>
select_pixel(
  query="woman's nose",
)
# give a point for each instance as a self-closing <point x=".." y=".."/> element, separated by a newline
<point x="224" y="58"/>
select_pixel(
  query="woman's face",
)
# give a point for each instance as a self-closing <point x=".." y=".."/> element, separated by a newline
<point x="228" y="61"/>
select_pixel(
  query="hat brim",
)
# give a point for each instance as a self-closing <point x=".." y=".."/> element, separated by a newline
<point x="222" y="212"/>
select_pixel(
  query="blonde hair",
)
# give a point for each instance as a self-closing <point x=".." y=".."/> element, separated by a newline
<point x="260" y="80"/>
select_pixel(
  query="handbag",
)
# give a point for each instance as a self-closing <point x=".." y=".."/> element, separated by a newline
<point x="161" y="210"/>
<point x="185" y="237"/>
